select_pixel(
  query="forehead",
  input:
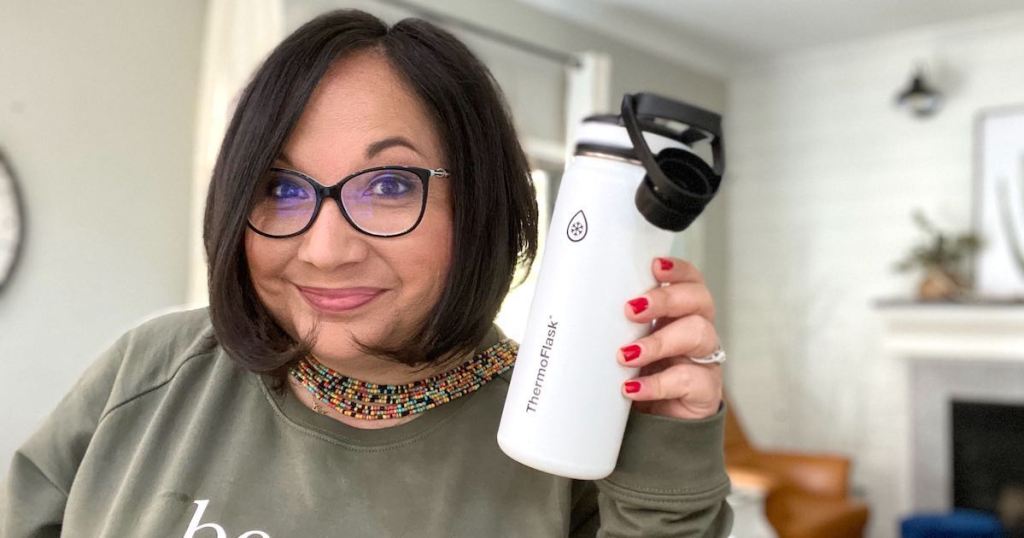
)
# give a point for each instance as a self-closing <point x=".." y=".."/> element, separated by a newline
<point x="359" y="101"/>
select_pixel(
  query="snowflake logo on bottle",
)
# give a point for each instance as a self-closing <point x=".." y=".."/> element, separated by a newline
<point x="577" y="229"/>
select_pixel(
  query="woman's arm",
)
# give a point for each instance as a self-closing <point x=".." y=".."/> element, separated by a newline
<point x="670" y="477"/>
<point x="669" y="481"/>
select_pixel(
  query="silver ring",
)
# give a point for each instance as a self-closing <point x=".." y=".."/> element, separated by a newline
<point x="716" y="357"/>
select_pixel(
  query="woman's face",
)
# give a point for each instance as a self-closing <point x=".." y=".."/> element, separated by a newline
<point x="360" y="103"/>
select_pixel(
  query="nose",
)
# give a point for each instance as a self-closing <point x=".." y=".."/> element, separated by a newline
<point x="331" y="241"/>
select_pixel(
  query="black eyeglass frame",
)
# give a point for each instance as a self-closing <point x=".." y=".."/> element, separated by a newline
<point x="334" y="192"/>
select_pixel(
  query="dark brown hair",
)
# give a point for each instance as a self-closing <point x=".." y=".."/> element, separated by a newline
<point x="493" y="199"/>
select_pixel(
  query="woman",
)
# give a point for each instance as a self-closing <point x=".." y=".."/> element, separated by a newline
<point x="365" y="216"/>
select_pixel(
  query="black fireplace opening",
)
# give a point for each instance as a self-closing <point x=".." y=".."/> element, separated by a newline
<point x="988" y="460"/>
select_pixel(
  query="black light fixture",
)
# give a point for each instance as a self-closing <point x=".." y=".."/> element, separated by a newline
<point x="919" y="98"/>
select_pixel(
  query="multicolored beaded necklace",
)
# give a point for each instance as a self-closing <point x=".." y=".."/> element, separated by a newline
<point x="359" y="399"/>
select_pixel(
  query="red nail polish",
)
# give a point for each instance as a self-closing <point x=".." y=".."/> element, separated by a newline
<point x="631" y="352"/>
<point x="632" y="386"/>
<point x="638" y="305"/>
<point x="666" y="264"/>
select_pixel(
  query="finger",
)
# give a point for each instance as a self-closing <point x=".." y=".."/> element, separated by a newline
<point x="690" y="336"/>
<point x="684" y="381"/>
<point x="668" y="269"/>
<point x="675" y="301"/>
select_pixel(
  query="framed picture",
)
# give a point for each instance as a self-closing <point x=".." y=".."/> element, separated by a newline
<point x="999" y="202"/>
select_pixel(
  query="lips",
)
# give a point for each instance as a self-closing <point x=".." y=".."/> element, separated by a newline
<point x="335" y="300"/>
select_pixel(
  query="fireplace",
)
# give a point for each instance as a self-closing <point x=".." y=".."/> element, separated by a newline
<point x="988" y="460"/>
<point x="945" y="353"/>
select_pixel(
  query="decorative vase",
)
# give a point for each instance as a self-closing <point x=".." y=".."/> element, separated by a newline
<point x="938" y="284"/>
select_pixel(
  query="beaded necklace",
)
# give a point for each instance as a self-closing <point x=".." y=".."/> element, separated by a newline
<point x="359" y="399"/>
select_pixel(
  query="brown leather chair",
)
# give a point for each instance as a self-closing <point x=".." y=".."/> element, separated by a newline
<point x="806" y="494"/>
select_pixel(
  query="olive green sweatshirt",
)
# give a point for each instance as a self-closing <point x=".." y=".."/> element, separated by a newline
<point x="165" y="435"/>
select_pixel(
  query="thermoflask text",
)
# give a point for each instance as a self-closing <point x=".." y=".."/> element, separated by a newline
<point x="633" y="183"/>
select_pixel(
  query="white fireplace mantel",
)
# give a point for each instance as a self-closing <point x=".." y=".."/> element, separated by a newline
<point x="953" y="331"/>
<point x="943" y="351"/>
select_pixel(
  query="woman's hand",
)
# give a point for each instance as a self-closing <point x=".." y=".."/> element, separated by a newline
<point x="670" y="384"/>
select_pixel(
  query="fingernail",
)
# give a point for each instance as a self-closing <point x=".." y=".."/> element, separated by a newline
<point x="638" y="305"/>
<point x="632" y="386"/>
<point x="631" y="352"/>
<point x="666" y="264"/>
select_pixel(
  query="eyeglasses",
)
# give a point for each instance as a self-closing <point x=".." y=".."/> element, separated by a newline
<point x="386" y="201"/>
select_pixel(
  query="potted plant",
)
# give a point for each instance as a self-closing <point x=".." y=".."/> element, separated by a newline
<point x="943" y="258"/>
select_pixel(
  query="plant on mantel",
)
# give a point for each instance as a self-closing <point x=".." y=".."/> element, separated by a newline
<point x="943" y="258"/>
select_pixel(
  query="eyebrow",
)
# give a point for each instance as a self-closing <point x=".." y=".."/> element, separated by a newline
<point x="394" y="141"/>
<point x="371" y="151"/>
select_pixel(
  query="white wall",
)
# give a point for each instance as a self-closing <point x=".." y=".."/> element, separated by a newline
<point x="96" y="112"/>
<point x="823" y="175"/>
<point x="632" y="69"/>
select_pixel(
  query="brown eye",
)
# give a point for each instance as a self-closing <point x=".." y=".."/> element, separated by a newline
<point x="284" y="189"/>
<point x="388" y="185"/>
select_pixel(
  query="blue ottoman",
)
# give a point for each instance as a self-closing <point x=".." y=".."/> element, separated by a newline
<point x="958" y="524"/>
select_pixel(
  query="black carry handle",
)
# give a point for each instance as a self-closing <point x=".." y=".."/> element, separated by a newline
<point x="648" y="104"/>
<point x="673" y="203"/>
<point x="651" y="105"/>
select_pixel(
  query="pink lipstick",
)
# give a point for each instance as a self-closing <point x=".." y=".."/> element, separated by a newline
<point x="338" y="300"/>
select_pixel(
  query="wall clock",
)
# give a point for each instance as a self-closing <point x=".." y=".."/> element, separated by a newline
<point x="12" y="222"/>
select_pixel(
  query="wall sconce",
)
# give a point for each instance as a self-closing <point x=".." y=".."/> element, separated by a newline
<point x="919" y="97"/>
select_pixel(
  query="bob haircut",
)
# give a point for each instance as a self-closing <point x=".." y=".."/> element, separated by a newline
<point x="493" y="198"/>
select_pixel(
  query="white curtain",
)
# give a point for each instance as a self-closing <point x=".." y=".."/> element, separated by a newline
<point x="238" y="36"/>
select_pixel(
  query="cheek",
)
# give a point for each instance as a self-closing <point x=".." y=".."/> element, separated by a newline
<point x="432" y="258"/>
<point x="266" y="259"/>
<point x="443" y="241"/>
<point x="442" y="262"/>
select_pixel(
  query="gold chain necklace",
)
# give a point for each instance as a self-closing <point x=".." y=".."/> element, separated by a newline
<point x="359" y="399"/>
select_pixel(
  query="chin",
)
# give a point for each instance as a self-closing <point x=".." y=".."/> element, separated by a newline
<point x="330" y="348"/>
<point x="336" y="337"/>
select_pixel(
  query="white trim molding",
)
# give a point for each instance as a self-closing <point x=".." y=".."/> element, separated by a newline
<point x="956" y="332"/>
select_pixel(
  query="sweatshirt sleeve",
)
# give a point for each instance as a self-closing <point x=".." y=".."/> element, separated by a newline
<point x="669" y="480"/>
<point x="42" y="470"/>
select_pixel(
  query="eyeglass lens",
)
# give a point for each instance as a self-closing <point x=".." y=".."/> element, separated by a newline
<point x="379" y="202"/>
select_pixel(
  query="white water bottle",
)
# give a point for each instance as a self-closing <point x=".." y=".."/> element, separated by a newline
<point x="633" y="183"/>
